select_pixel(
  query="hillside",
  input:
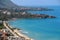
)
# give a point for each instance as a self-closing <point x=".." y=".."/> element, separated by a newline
<point x="7" y="4"/>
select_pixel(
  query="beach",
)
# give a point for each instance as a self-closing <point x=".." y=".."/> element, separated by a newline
<point x="16" y="32"/>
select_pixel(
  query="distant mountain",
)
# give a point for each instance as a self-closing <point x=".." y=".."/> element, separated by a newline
<point x="8" y="4"/>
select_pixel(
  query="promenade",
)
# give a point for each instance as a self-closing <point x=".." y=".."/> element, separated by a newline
<point x="16" y="32"/>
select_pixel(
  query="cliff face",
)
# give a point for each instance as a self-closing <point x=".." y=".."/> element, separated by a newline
<point x="7" y="4"/>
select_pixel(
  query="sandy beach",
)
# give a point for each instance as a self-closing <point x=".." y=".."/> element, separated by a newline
<point x="16" y="32"/>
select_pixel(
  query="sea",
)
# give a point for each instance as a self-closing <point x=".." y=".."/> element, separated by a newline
<point x="40" y="29"/>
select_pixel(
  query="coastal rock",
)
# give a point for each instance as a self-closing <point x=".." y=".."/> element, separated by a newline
<point x="52" y="17"/>
<point x="44" y="16"/>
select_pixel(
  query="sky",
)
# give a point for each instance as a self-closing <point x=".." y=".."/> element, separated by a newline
<point x="36" y="2"/>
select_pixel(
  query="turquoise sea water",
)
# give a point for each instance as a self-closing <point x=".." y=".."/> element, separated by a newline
<point x="40" y="29"/>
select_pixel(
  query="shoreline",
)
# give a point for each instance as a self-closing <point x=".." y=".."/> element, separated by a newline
<point x="17" y="32"/>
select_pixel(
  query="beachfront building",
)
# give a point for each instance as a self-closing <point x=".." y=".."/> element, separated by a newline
<point x="15" y="38"/>
<point x="6" y="35"/>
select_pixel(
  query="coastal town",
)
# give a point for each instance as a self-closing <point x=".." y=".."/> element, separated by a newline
<point x="14" y="12"/>
<point x="9" y="33"/>
<point x="6" y="31"/>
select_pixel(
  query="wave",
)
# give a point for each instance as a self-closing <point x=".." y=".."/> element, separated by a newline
<point x="24" y="32"/>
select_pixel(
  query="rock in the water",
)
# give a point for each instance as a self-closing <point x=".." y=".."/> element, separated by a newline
<point x="52" y="17"/>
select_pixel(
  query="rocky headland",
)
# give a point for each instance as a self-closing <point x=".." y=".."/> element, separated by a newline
<point x="9" y="14"/>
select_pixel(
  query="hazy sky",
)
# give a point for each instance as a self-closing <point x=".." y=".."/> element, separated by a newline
<point x="36" y="2"/>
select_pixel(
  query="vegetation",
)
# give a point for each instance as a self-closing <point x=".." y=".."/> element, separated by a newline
<point x="1" y="26"/>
